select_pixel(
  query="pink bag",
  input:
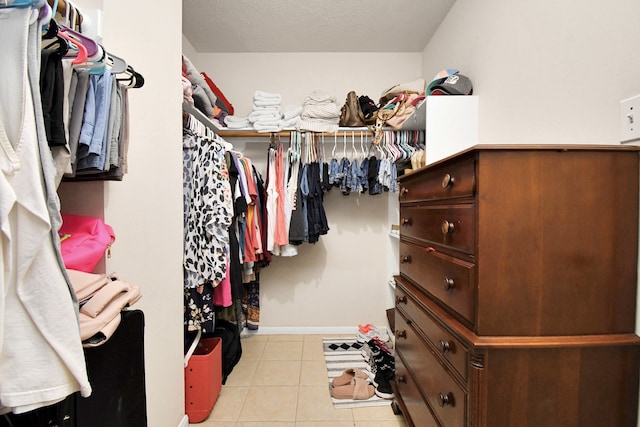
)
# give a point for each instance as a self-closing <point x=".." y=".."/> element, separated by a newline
<point x="84" y="241"/>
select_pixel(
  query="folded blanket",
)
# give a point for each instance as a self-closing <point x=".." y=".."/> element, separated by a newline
<point x="321" y="111"/>
<point x="317" y="125"/>
<point x="319" y="97"/>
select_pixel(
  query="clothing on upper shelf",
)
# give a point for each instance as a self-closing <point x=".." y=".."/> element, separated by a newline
<point x="320" y="113"/>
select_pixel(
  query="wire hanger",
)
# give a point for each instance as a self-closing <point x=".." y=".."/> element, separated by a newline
<point x="344" y="147"/>
<point x="335" y="144"/>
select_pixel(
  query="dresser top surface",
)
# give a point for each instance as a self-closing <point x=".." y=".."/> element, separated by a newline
<point x="529" y="147"/>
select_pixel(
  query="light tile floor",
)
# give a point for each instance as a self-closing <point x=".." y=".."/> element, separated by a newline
<point x="281" y="381"/>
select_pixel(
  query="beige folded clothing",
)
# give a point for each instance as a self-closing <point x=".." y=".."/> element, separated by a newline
<point x="102" y="297"/>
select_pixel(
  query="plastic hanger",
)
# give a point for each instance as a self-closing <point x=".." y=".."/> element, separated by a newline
<point x="16" y="3"/>
<point x="92" y="47"/>
<point x="82" y="51"/>
<point x="117" y="64"/>
<point x="135" y="79"/>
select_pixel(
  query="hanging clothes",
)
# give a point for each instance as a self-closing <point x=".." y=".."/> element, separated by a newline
<point x="208" y="212"/>
<point x="38" y="315"/>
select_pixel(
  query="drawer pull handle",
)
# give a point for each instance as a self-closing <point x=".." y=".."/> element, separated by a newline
<point x="445" y="399"/>
<point x="447" y="227"/>
<point x="401" y="334"/>
<point x="404" y="191"/>
<point x="448" y="284"/>
<point x="445" y="346"/>
<point x="448" y="181"/>
<point x="401" y="379"/>
<point x="401" y="300"/>
<point x="406" y="259"/>
<point x="406" y="221"/>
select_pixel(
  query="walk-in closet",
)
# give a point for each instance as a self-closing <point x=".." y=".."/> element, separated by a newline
<point x="489" y="320"/>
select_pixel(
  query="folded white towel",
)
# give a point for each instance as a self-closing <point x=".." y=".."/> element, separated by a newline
<point x="267" y="128"/>
<point x="255" y="115"/>
<point x="290" y="123"/>
<point x="266" y="108"/>
<point x="234" y="122"/>
<point x="264" y="121"/>
<point x="266" y="103"/>
<point x="262" y="95"/>
<point x="291" y="111"/>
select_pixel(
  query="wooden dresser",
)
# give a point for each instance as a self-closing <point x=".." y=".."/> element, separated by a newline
<point x="516" y="298"/>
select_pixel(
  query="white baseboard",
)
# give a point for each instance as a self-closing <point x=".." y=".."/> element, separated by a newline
<point x="184" y="422"/>
<point x="302" y="330"/>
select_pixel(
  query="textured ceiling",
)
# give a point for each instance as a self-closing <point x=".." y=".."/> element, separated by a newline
<point x="311" y="25"/>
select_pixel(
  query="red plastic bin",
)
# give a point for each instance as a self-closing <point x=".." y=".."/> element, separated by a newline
<point x="203" y="379"/>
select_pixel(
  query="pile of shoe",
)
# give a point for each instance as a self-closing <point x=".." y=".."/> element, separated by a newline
<point x="383" y="366"/>
<point x="352" y="384"/>
<point x="368" y="332"/>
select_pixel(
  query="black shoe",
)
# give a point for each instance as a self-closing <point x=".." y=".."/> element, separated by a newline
<point x="382" y="382"/>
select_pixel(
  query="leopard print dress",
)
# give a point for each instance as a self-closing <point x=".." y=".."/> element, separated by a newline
<point x="208" y="211"/>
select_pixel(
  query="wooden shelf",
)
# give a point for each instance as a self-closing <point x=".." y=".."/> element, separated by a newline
<point x="415" y="122"/>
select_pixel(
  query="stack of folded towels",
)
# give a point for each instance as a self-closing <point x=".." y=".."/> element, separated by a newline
<point x="266" y="115"/>
<point x="290" y="116"/>
<point x="234" y="122"/>
<point x="320" y="113"/>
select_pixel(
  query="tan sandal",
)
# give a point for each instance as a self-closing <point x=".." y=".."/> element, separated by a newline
<point x="346" y="377"/>
<point x="357" y="389"/>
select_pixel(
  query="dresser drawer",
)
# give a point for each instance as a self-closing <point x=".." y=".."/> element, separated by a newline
<point x="456" y="179"/>
<point x="444" y="395"/>
<point x="419" y="414"/>
<point x="448" y="225"/>
<point x="445" y="344"/>
<point x="449" y="279"/>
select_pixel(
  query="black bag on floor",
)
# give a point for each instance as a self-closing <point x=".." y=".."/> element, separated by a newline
<point x="231" y="346"/>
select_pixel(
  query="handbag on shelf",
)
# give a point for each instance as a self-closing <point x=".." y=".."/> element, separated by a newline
<point x="406" y="106"/>
<point x="416" y="86"/>
<point x="84" y="241"/>
<point x="351" y="114"/>
<point x="395" y="112"/>
<point x="368" y="108"/>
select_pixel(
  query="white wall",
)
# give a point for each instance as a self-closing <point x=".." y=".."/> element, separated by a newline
<point x="544" y="71"/>
<point x="341" y="281"/>
<point x="145" y="209"/>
